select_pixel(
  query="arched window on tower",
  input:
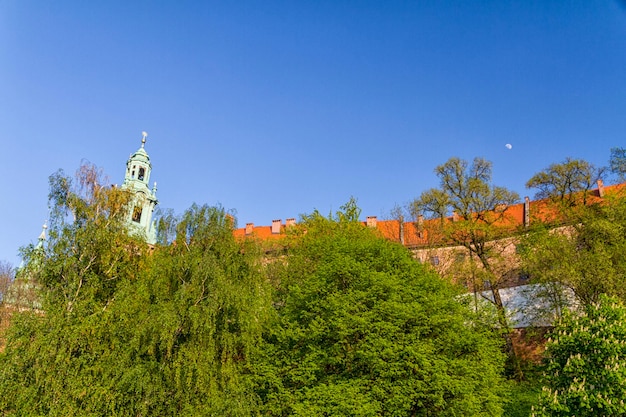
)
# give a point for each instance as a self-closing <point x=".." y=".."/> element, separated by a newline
<point x="132" y="174"/>
<point x="137" y="214"/>
<point x="142" y="172"/>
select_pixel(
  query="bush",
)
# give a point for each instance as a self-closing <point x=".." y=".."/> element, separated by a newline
<point x="585" y="373"/>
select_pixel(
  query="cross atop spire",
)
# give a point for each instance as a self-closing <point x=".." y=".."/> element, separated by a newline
<point x="144" y="135"/>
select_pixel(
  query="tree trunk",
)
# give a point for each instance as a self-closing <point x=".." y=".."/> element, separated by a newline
<point x="503" y="321"/>
<point x="507" y="333"/>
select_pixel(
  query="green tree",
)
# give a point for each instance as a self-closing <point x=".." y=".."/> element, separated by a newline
<point x="586" y="257"/>
<point x="473" y="214"/>
<point x="205" y="300"/>
<point x="362" y="329"/>
<point x="130" y="330"/>
<point x="617" y="163"/>
<point x="57" y="363"/>
<point x="585" y="374"/>
<point x="7" y="274"/>
<point x="567" y="183"/>
<point x="581" y="254"/>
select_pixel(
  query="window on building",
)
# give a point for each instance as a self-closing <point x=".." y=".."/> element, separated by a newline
<point x="142" y="172"/>
<point x="137" y="214"/>
<point x="132" y="173"/>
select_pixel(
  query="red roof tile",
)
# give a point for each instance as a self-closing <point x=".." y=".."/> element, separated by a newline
<point x="409" y="235"/>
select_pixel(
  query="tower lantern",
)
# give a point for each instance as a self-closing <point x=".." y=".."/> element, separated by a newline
<point x="137" y="178"/>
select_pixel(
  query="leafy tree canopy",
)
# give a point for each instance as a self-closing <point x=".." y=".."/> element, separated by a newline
<point x="362" y="329"/>
<point x="125" y="332"/>
<point x="478" y="207"/>
<point x="480" y="219"/>
<point x="567" y="183"/>
<point x="465" y="190"/>
<point x="617" y="163"/>
<point x="587" y="257"/>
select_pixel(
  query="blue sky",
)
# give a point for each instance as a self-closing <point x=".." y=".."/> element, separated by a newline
<point x="277" y="108"/>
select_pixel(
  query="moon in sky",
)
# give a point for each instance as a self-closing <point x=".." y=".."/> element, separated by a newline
<point x="508" y="146"/>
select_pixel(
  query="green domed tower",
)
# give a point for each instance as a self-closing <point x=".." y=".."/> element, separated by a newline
<point x="137" y="179"/>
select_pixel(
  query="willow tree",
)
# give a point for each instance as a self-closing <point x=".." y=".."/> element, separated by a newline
<point x="49" y="356"/>
<point x="127" y="329"/>
<point x="466" y="210"/>
<point x="200" y="315"/>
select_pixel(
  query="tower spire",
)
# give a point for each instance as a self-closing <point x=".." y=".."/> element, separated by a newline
<point x="42" y="236"/>
<point x="144" y="135"/>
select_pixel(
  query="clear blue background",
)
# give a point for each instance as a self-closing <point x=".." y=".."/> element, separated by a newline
<point x="276" y="108"/>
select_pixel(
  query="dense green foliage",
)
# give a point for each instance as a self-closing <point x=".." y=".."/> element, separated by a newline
<point x="342" y="323"/>
<point x="522" y="396"/>
<point x="585" y="374"/>
<point x="363" y="330"/>
<point x="583" y="260"/>
<point x="588" y="256"/>
<point x="125" y="333"/>
<point x="480" y="220"/>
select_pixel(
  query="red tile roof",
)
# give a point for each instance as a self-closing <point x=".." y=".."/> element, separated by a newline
<point x="539" y="211"/>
